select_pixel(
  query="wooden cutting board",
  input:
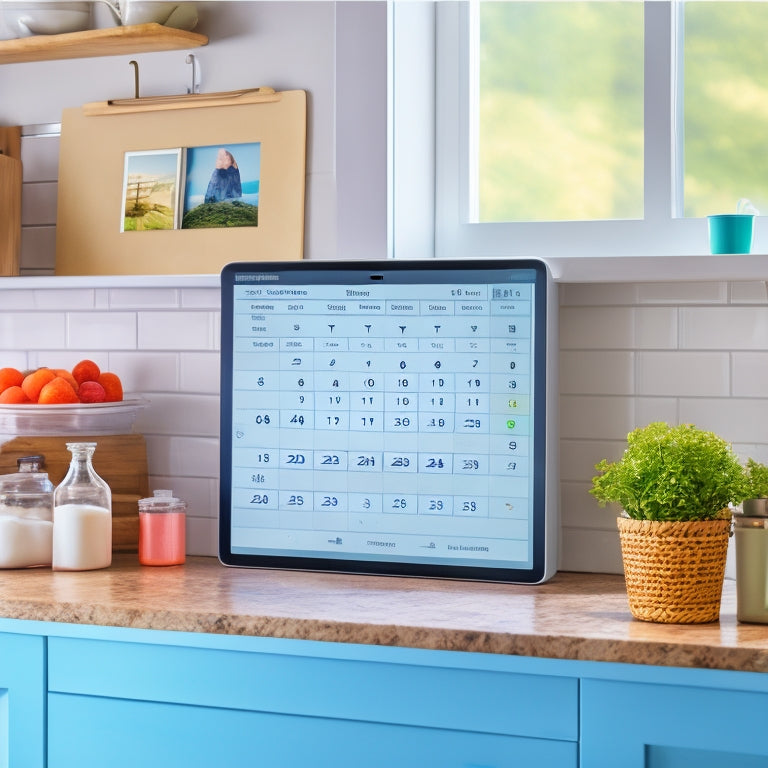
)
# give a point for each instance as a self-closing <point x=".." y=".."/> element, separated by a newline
<point x="10" y="200"/>
<point x="121" y="460"/>
<point x="10" y="215"/>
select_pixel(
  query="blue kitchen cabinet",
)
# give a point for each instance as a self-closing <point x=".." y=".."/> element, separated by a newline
<point x="652" y="725"/>
<point x="76" y="696"/>
<point x="297" y="704"/>
<point x="22" y="701"/>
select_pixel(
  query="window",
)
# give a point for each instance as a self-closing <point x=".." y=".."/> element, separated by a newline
<point x="591" y="127"/>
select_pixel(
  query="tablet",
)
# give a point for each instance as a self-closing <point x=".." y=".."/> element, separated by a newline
<point x="390" y="417"/>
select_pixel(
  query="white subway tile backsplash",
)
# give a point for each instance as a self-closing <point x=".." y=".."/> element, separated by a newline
<point x="650" y="409"/>
<point x="144" y="298"/>
<point x="754" y="292"/>
<point x="193" y="456"/>
<point x="199" y="372"/>
<point x="618" y="327"/>
<point x="596" y="327"/>
<point x="201" y="298"/>
<point x="11" y="300"/>
<point x="750" y="374"/>
<point x="578" y="457"/>
<point x="655" y="328"/>
<point x="180" y="414"/>
<point x="683" y="293"/>
<point x="737" y="420"/>
<point x="75" y="299"/>
<point x="101" y="330"/>
<point x="598" y="294"/>
<point x="586" y="372"/>
<point x="630" y="354"/>
<point x="691" y="374"/>
<point x="145" y="372"/>
<point x="202" y="537"/>
<point x="176" y="330"/>
<point x="724" y="328"/>
<point x="197" y="492"/>
<point x="28" y="330"/>
<point x="596" y="418"/>
<point x="591" y="551"/>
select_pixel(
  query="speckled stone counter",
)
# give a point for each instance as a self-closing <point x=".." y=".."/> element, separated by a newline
<point x="574" y="616"/>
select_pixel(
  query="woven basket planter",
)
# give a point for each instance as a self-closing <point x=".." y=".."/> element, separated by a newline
<point x="674" y="571"/>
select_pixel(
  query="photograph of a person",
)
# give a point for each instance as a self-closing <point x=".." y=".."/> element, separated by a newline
<point x="151" y="190"/>
<point x="222" y="186"/>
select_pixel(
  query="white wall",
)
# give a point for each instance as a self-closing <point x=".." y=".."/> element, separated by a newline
<point x="630" y="353"/>
<point x="334" y="51"/>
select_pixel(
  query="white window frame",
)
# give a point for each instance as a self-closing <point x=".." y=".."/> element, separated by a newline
<point x="440" y="183"/>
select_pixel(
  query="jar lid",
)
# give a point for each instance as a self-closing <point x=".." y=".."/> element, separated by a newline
<point x="162" y="501"/>
<point x="26" y="482"/>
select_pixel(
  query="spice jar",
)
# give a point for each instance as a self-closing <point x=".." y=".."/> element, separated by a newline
<point x="162" y="529"/>
<point x="82" y="515"/>
<point x="26" y="511"/>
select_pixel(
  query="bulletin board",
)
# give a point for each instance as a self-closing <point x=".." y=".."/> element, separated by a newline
<point x="101" y="141"/>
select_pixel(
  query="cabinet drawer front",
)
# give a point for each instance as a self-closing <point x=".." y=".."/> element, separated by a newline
<point x="86" y="732"/>
<point x="437" y="697"/>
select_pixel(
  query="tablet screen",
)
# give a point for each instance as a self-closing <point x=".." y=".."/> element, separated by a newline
<point x="388" y="417"/>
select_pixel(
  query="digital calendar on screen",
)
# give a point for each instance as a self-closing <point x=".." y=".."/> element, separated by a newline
<point x="386" y="417"/>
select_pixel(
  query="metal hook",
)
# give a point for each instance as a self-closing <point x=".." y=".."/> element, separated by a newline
<point x="192" y="59"/>
<point x="135" y="66"/>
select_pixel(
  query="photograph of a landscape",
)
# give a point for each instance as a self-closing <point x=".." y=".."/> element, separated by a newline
<point x="192" y="188"/>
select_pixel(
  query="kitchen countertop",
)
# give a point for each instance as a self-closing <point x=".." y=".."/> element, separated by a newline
<point x="573" y="616"/>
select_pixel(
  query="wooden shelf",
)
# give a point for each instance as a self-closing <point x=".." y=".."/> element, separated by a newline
<point x="115" y="41"/>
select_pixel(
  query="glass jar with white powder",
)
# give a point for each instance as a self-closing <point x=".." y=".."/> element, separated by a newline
<point x="26" y="511"/>
<point x="82" y="515"/>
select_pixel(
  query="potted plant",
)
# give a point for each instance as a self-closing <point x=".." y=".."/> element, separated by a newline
<point x="756" y="492"/>
<point x="675" y="486"/>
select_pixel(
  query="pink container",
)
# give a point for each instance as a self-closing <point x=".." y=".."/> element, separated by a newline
<point x="162" y="529"/>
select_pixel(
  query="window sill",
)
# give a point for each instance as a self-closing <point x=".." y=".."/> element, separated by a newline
<point x="645" y="269"/>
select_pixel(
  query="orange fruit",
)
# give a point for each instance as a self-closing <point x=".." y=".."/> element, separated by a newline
<point x="10" y="377"/>
<point x="113" y="387"/>
<point x="35" y="381"/>
<point x="86" y="370"/>
<point x="91" y="392"/>
<point x="13" y="396"/>
<point x="58" y="390"/>
<point x="65" y="374"/>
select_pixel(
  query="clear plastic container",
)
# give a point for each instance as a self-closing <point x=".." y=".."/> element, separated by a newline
<point x="82" y="515"/>
<point x="26" y="512"/>
<point x="162" y="529"/>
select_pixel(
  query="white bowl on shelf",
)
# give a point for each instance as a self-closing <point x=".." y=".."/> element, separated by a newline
<point x="24" y="19"/>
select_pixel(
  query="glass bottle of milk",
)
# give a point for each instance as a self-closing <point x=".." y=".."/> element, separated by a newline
<point x="82" y="515"/>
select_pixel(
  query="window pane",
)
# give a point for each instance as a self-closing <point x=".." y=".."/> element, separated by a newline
<point x="725" y="106"/>
<point x="560" y="111"/>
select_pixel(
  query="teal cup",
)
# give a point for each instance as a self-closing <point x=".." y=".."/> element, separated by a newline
<point x="731" y="232"/>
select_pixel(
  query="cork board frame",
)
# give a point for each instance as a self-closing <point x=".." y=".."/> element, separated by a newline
<point x="94" y="141"/>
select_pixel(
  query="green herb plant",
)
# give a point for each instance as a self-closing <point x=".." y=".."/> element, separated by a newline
<point x="672" y="473"/>
<point x="757" y="480"/>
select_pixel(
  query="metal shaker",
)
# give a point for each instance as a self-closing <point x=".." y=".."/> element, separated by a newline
<point x="751" y="528"/>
